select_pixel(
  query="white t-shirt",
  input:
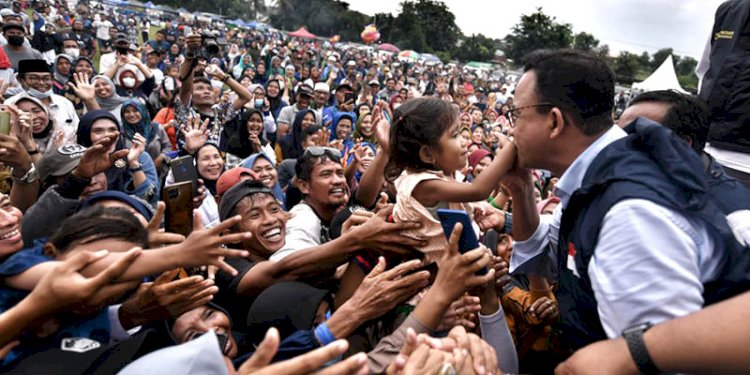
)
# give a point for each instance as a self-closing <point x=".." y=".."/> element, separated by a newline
<point x="102" y="29"/>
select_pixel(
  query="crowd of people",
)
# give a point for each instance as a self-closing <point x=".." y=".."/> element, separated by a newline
<point x="186" y="197"/>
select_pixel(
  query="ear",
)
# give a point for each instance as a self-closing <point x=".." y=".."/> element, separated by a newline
<point x="302" y="185"/>
<point x="50" y="250"/>
<point x="426" y="155"/>
<point x="557" y="126"/>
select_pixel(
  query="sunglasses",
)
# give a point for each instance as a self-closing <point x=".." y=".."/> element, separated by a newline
<point x="320" y="151"/>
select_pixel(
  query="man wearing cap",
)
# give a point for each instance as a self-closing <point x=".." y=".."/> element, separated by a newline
<point x="36" y="79"/>
<point x="340" y="104"/>
<point x="84" y="38"/>
<point x="264" y="218"/>
<point x="373" y="88"/>
<point x="286" y="116"/>
<point x="121" y="47"/>
<point x="159" y="44"/>
<point x="70" y="173"/>
<point x="322" y="94"/>
<point x="18" y="48"/>
<point x="15" y="6"/>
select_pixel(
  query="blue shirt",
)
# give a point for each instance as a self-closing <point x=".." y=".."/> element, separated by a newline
<point x="650" y="262"/>
<point x="95" y="327"/>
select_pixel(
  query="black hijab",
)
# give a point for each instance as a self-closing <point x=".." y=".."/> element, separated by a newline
<point x="291" y="144"/>
<point x="235" y="139"/>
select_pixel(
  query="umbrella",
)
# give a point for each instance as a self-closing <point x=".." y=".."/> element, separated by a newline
<point x="302" y="33"/>
<point x="409" y="55"/>
<point x="430" y="57"/>
<point x="388" y="47"/>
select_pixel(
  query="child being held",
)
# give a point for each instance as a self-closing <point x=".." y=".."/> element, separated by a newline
<point x="426" y="150"/>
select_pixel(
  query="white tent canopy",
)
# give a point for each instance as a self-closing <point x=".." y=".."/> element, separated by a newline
<point x="663" y="78"/>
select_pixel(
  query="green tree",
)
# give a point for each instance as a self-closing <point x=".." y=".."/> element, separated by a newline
<point x="659" y="56"/>
<point x="435" y="20"/>
<point x="537" y="31"/>
<point x="476" y="48"/>
<point x="585" y="42"/>
<point x="686" y="66"/>
<point x="626" y="66"/>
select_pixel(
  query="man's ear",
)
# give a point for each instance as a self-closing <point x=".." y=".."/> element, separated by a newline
<point x="302" y="185"/>
<point x="50" y="250"/>
<point x="557" y="125"/>
<point x="426" y="155"/>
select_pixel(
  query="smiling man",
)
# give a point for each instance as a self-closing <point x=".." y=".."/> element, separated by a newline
<point x="271" y="231"/>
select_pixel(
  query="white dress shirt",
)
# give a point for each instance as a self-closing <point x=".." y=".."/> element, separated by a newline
<point x="650" y="261"/>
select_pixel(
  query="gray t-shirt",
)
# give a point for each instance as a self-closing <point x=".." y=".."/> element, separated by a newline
<point x="26" y="53"/>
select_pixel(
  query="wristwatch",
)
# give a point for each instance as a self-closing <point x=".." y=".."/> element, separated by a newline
<point x="136" y="169"/>
<point x="30" y="176"/>
<point x="637" y="347"/>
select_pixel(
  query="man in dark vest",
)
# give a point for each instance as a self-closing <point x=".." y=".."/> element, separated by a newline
<point x="725" y="87"/>
<point x="632" y="242"/>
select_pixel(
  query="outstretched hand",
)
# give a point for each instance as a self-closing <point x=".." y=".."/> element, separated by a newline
<point x="97" y="159"/>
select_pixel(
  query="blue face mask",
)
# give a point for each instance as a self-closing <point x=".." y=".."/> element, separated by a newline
<point x="259" y="103"/>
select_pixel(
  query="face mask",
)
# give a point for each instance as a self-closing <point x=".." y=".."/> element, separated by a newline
<point x="259" y="103"/>
<point x="73" y="52"/>
<point x="40" y="94"/>
<point x="15" y="40"/>
<point x="128" y="82"/>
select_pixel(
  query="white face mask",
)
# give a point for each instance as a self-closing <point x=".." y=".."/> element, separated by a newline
<point x="40" y="94"/>
<point x="128" y="82"/>
<point x="73" y="52"/>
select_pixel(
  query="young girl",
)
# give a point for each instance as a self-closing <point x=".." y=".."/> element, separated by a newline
<point x="426" y="150"/>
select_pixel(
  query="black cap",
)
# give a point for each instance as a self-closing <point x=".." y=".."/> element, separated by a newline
<point x="121" y="38"/>
<point x="237" y="193"/>
<point x="13" y="25"/>
<point x="305" y="90"/>
<point x="344" y="83"/>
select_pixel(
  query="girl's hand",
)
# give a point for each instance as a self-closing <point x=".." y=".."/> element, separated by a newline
<point x="382" y="131"/>
<point x="139" y="145"/>
<point x="256" y="143"/>
<point x="337" y="144"/>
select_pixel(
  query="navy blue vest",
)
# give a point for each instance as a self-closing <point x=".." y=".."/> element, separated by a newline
<point x="726" y="84"/>
<point x="651" y="164"/>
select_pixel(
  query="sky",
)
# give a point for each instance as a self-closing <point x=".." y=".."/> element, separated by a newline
<point x="625" y="25"/>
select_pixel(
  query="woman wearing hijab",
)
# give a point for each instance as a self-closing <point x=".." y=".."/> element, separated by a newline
<point x="106" y="95"/>
<point x="44" y="130"/>
<point x="135" y="175"/>
<point x="290" y="147"/>
<point x="265" y="168"/>
<point x="81" y="65"/>
<point x="135" y="120"/>
<point x="246" y="61"/>
<point x="61" y="73"/>
<point x="247" y="136"/>
<point x="341" y="131"/>
<point x="274" y="95"/>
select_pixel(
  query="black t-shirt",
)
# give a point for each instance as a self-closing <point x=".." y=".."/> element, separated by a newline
<point x="238" y="306"/>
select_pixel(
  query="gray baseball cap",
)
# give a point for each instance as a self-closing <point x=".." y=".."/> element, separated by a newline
<point x="60" y="161"/>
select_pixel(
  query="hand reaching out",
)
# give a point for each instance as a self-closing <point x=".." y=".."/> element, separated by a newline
<point x="136" y="149"/>
<point x="82" y="88"/>
<point x="97" y="159"/>
<point x="195" y="133"/>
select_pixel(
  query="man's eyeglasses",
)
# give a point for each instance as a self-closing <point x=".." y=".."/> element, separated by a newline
<point x="320" y="151"/>
<point x="513" y="111"/>
<point x="37" y="79"/>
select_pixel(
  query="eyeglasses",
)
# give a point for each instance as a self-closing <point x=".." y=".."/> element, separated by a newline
<point x="37" y="79"/>
<point x="513" y="111"/>
<point x="320" y="151"/>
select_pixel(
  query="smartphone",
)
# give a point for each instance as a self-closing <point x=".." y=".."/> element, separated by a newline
<point x="179" y="211"/>
<point x="468" y="240"/>
<point x="184" y="170"/>
<point x="350" y="97"/>
<point x="4" y="122"/>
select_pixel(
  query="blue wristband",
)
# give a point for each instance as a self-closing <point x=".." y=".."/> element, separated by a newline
<point x="324" y="335"/>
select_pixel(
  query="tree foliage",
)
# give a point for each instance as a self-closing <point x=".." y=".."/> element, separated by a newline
<point x="537" y="31"/>
<point x="585" y="42"/>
